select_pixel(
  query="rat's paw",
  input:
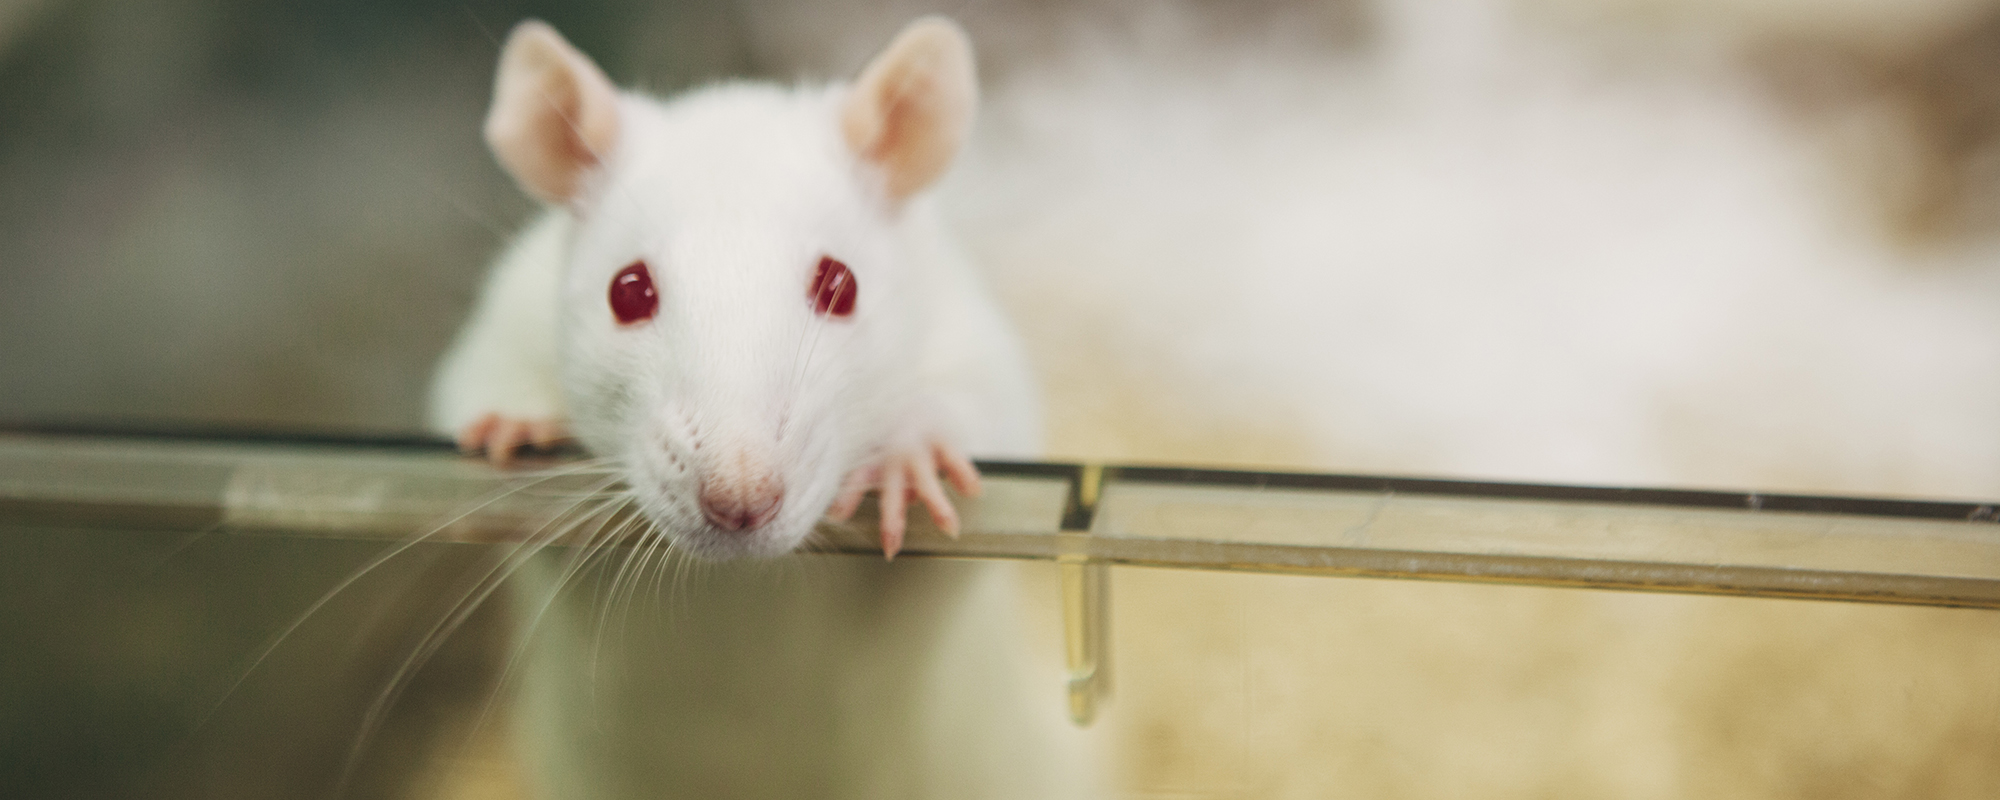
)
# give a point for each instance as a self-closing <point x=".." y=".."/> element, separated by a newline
<point x="901" y="474"/>
<point x="499" y="437"/>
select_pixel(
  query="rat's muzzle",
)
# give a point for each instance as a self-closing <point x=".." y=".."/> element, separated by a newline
<point x="741" y="493"/>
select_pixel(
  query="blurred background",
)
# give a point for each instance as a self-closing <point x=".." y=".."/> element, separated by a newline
<point x="274" y="213"/>
<point x="1691" y="242"/>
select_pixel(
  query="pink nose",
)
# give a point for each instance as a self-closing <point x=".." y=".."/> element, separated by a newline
<point x="741" y="504"/>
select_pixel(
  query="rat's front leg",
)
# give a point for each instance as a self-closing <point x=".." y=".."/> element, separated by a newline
<point x="500" y="436"/>
<point x="496" y="390"/>
<point x="905" y="471"/>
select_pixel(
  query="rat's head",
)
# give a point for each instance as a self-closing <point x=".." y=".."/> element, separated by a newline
<point x="739" y="302"/>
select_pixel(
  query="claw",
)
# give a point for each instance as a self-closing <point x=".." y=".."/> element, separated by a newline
<point x="904" y="474"/>
<point x="894" y="496"/>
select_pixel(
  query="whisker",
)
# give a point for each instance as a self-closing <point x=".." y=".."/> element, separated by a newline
<point x="481" y="25"/>
<point x="551" y="528"/>
<point x="600" y="557"/>
<point x="608" y="510"/>
<point x="667" y="555"/>
<point x="814" y="329"/>
<point x="643" y="575"/>
<point x="611" y="602"/>
<point x="646" y="549"/>
<point x="581" y="465"/>
<point x="271" y="645"/>
<point x="678" y="594"/>
<point x="458" y="204"/>
<point x="181" y="547"/>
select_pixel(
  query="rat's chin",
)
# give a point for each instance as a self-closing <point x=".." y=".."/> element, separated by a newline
<point x="720" y="511"/>
<point x="714" y="544"/>
<point x="701" y="539"/>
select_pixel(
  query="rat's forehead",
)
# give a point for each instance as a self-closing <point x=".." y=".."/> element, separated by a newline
<point x="733" y="149"/>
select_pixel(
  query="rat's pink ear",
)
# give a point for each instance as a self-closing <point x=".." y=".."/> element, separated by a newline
<point x="554" y="114"/>
<point x="912" y="106"/>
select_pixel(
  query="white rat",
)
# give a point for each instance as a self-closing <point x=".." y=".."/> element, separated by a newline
<point x="742" y="403"/>
<point x="742" y="297"/>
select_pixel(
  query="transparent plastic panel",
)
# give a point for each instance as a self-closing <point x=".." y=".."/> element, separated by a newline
<point x="1898" y="551"/>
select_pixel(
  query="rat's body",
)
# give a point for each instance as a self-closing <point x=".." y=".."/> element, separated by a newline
<point x="741" y="392"/>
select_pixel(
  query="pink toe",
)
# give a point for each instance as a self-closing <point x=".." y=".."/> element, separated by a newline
<point x="894" y="503"/>
<point x="472" y="438"/>
<point x="932" y="493"/>
<point x="958" y="469"/>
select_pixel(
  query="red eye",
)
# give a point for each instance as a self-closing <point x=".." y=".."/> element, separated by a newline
<point x="833" y="289"/>
<point x="632" y="296"/>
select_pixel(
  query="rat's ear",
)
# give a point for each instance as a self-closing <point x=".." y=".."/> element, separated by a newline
<point x="910" y="109"/>
<point x="554" y="114"/>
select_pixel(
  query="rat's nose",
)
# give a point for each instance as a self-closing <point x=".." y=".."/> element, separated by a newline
<point x="741" y="503"/>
